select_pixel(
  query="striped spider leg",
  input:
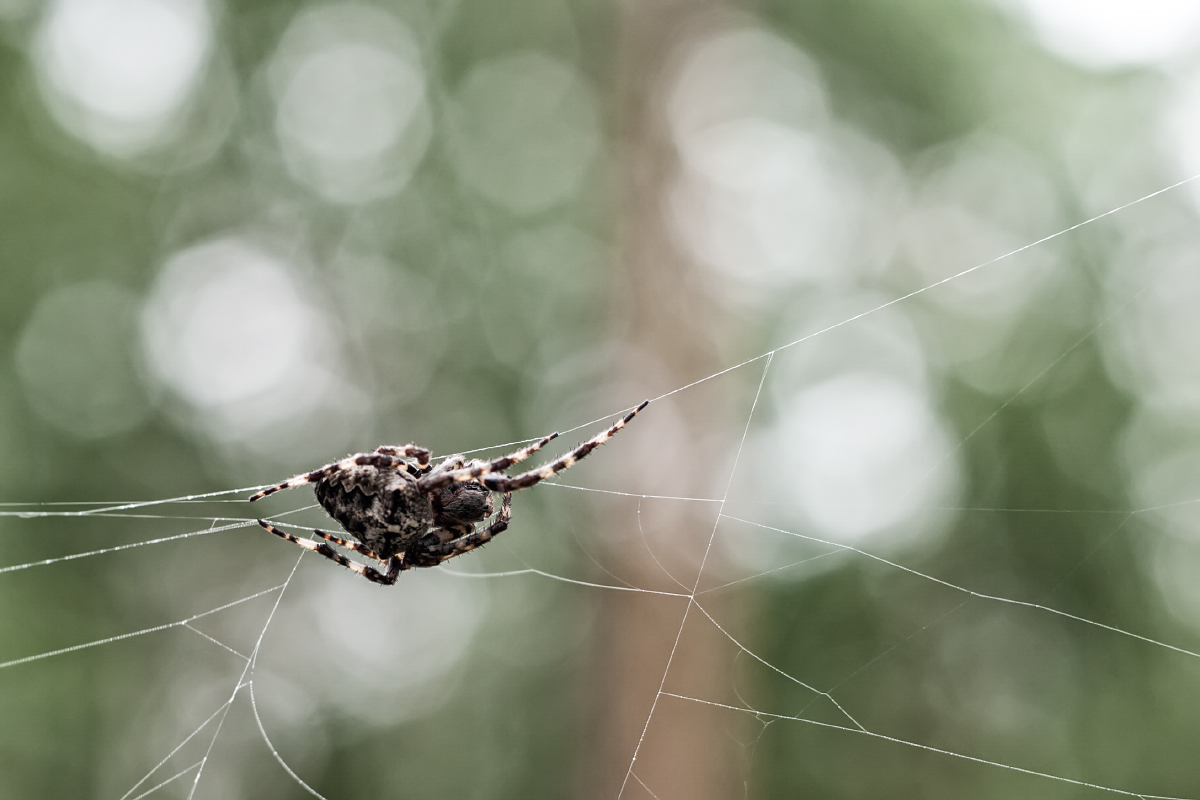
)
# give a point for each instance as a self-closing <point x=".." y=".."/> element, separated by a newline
<point x="394" y="564"/>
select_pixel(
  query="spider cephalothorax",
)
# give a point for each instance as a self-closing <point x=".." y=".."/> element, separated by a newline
<point x="405" y="512"/>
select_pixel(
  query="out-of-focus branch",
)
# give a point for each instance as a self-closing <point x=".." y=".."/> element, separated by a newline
<point x="668" y="321"/>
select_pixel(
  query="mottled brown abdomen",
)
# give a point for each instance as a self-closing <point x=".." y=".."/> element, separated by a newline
<point x="382" y="509"/>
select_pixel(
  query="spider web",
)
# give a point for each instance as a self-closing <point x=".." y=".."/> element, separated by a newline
<point x="205" y="736"/>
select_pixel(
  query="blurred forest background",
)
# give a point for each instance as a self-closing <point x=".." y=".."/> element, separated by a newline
<point x="242" y="239"/>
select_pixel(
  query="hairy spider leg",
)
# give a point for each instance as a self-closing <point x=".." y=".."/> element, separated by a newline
<point x="503" y="483"/>
<point x="442" y="477"/>
<point x="408" y="451"/>
<point x="349" y="545"/>
<point x="394" y="564"/>
<point x="433" y="554"/>
<point x="378" y="460"/>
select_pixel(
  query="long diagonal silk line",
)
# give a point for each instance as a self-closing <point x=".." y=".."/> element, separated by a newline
<point x="873" y="309"/>
<point x="234" y="524"/>
<point x="169" y="780"/>
<point x="117" y="548"/>
<point x="105" y="509"/>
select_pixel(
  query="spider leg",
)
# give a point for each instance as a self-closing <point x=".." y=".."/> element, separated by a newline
<point x="451" y="464"/>
<point x="349" y="545"/>
<point x="394" y="563"/>
<point x="453" y="528"/>
<point x="453" y="474"/>
<point x="379" y="460"/>
<point x="408" y="451"/>
<point x="434" y="553"/>
<point x="503" y="483"/>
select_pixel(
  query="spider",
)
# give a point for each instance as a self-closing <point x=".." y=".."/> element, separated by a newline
<point x="406" y="514"/>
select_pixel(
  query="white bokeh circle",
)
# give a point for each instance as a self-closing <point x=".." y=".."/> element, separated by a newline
<point x="770" y="191"/>
<point x="861" y="454"/>
<point x="352" y="116"/>
<point x="236" y="333"/>
<point x="117" y="73"/>
<point x="1113" y="33"/>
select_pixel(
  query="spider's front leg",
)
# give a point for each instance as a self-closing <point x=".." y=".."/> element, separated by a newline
<point x="456" y="470"/>
<point x="503" y="483"/>
<point x="431" y="551"/>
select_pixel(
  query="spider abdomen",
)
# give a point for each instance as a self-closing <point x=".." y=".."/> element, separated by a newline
<point x="383" y="510"/>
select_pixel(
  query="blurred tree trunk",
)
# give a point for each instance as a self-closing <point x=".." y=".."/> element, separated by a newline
<point x="667" y="319"/>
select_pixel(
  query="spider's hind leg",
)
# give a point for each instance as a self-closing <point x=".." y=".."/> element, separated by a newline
<point x="394" y="563"/>
<point x="379" y="460"/>
<point x="291" y="483"/>
<point x="407" y="451"/>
